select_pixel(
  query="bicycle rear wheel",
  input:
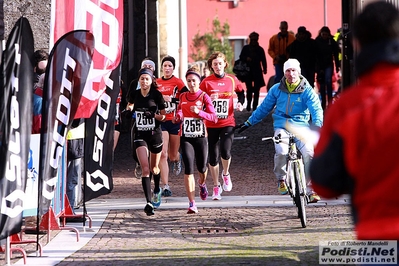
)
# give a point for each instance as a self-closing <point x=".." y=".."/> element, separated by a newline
<point x="300" y="195"/>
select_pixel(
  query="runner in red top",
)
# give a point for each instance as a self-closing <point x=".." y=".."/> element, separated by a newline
<point x="221" y="87"/>
<point x="194" y="109"/>
<point x="170" y="87"/>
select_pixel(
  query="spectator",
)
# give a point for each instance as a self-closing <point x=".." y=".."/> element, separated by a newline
<point x="357" y="149"/>
<point x="326" y="59"/>
<point x="75" y="153"/>
<point x="278" y="44"/>
<point x="207" y="72"/>
<point x="254" y="55"/>
<point x="304" y="50"/>
<point x="40" y="59"/>
<point x="37" y="105"/>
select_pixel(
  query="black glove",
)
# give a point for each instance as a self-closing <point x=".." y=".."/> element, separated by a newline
<point x="175" y="100"/>
<point x="149" y="114"/>
<point x="241" y="127"/>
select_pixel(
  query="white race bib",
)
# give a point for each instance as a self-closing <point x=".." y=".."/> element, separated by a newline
<point x="143" y="123"/>
<point x="193" y="127"/>
<point x="221" y="107"/>
<point x="170" y="107"/>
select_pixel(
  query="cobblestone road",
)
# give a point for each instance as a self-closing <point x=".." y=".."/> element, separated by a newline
<point x="215" y="236"/>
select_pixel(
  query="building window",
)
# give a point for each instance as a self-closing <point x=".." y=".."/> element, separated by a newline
<point x="237" y="42"/>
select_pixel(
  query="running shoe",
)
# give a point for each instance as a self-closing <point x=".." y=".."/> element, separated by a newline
<point x="149" y="209"/>
<point x="156" y="198"/>
<point x="192" y="208"/>
<point x="313" y="198"/>
<point x="227" y="185"/>
<point x="282" y="187"/>
<point x="217" y="192"/>
<point x="137" y="171"/>
<point x="166" y="192"/>
<point x="203" y="191"/>
<point x="177" y="166"/>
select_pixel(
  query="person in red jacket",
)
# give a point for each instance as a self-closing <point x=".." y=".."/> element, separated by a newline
<point x="358" y="144"/>
<point x="221" y="87"/>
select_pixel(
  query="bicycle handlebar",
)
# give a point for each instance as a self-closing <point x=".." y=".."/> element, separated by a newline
<point x="272" y="138"/>
<point x="279" y="138"/>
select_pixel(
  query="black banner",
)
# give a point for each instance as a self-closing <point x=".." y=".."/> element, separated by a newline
<point x="67" y="71"/>
<point x="15" y="124"/>
<point x="99" y="141"/>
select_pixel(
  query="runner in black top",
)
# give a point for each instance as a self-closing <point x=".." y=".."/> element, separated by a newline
<point x="148" y="107"/>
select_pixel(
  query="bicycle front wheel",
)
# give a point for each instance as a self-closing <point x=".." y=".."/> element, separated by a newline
<point x="300" y="195"/>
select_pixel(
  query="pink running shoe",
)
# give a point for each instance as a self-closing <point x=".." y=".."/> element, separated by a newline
<point x="203" y="191"/>
<point x="217" y="192"/>
<point x="192" y="208"/>
<point x="227" y="185"/>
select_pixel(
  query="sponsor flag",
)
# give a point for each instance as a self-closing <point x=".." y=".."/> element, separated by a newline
<point x="105" y="20"/>
<point x="66" y="75"/>
<point x="99" y="142"/>
<point x="15" y="125"/>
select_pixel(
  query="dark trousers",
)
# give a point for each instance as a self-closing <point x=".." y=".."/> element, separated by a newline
<point x="325" y="81"/>
<point x="279" y="72"/>
<point x="309" y="74"/>
<point x="252" y="93"/>
<point x="73" y="174"/>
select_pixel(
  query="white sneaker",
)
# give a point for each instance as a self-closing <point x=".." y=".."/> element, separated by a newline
<point x="217" y="192"/>
<point x="176" y="166"/>
<point x="227" y="185"/>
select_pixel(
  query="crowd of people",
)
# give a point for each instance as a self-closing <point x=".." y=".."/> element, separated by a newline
<point x="319" y="58"/>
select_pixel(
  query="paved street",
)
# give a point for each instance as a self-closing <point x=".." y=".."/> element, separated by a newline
<point x="251" y="225"/>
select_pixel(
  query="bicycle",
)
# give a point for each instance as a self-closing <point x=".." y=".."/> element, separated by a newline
<point x="295" y="179"/>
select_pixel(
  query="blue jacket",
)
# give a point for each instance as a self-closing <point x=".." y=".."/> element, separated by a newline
<point x="37" y="113"/>
<point x="297" y="107"/>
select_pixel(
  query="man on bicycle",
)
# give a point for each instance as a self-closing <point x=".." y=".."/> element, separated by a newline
<point x="295" y="103"/>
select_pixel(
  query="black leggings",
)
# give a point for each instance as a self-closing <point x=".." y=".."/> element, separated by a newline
<point x="194" y="149"/>
<point x="225" y="135"/>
